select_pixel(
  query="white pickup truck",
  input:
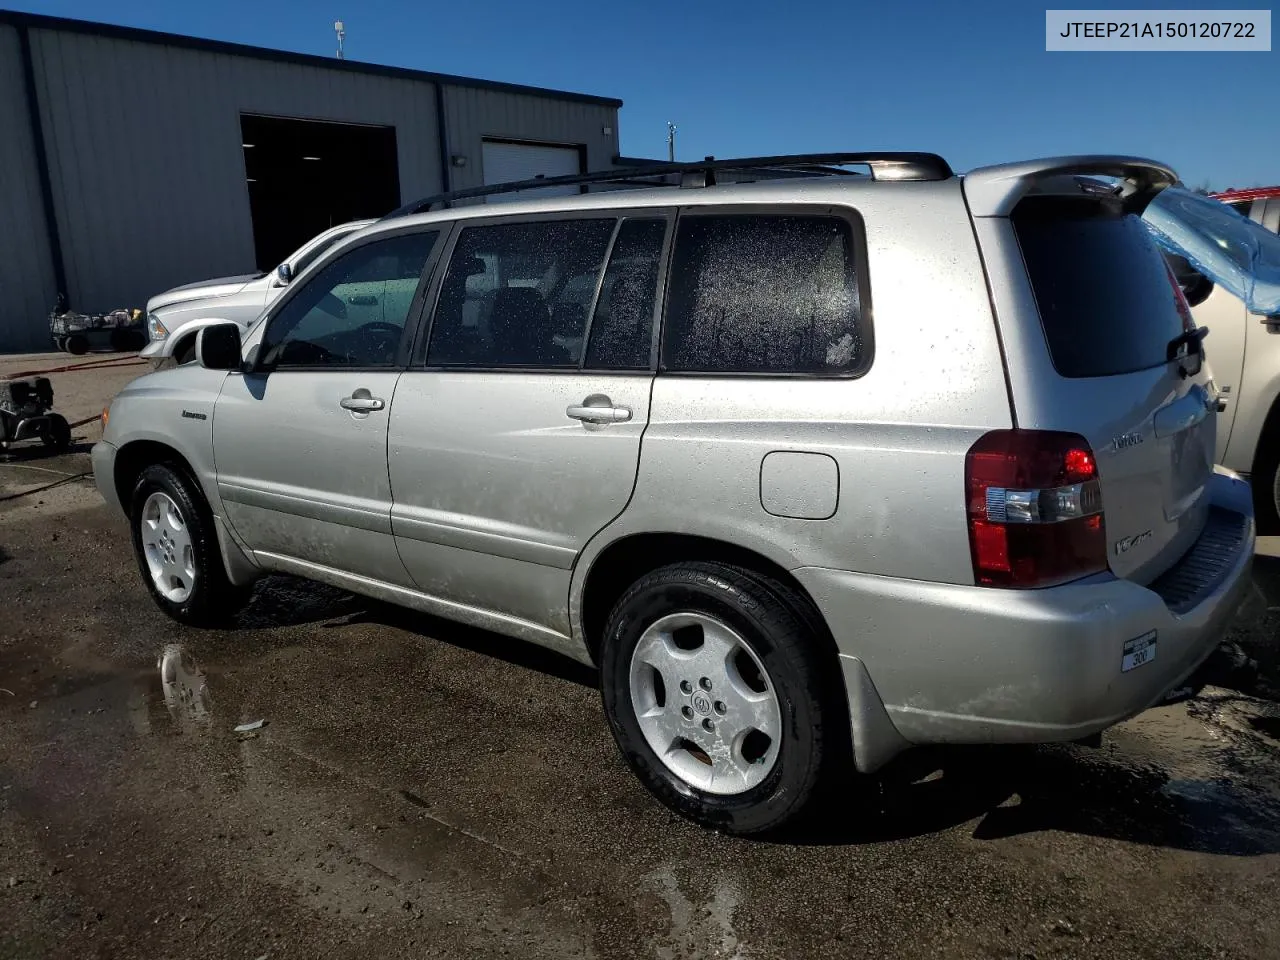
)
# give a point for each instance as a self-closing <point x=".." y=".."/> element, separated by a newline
<point x="175" y="316"/>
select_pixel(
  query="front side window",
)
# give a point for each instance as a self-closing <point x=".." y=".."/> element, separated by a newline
<point x="518" y="294"/>
<point x="766" y="294"/>
<point x="352" y="313"/>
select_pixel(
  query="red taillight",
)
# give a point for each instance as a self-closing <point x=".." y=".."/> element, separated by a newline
<point x="1035" y="509"/>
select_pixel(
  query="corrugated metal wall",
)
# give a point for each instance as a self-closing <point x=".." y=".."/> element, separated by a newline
<point x="473" y="114"/>
<point x="143" y="140"/>
<point x="26" y="265"/>
<point x="145" y="156"/>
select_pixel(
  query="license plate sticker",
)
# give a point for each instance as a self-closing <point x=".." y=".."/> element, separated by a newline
<point x="1138" y="651"/>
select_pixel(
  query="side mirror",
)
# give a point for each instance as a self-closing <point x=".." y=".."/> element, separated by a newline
<point x="284" y="273"/>
<point x="218" y="346"/>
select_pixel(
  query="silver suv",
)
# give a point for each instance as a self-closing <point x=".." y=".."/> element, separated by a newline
<point x="814" y="469"/>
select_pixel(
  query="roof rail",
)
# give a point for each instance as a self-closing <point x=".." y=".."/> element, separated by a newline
<point x="884" y="166"/>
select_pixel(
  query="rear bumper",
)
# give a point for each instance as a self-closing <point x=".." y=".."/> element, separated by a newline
<point x="964" y="664"/>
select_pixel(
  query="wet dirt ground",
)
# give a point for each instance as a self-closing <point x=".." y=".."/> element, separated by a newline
<point x="423" y="790"/>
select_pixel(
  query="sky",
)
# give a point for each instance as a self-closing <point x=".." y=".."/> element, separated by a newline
<point x="970" y="81"/>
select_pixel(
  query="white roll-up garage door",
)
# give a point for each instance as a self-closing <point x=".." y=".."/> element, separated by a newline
<point x="505" y="162"/>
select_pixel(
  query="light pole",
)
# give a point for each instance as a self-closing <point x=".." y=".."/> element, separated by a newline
<point x="340" y="29"/>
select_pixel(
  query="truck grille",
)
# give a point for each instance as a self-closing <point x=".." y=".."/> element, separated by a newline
<point x="1202" y="567"/>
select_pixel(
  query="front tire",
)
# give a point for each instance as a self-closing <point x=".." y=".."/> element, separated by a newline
<point x="719" y="696"/>
<point x="177" y="549"/>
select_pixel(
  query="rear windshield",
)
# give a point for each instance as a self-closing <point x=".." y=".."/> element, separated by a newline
<point x="1105" y="297"/>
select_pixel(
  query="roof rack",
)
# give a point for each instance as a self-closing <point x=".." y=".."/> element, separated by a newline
<point x="702" y="173"/>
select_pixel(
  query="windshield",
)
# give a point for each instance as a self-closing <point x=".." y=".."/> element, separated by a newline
<point x="1230" y="249"/>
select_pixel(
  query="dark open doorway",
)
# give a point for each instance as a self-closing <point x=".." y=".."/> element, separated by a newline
<point x="308" y="175"/>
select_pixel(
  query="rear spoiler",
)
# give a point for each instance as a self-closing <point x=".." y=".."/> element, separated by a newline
<point x="995" y="191"/>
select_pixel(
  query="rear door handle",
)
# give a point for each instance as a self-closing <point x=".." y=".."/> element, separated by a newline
<point x="361" y="401"/>
<point x="598" y="408"/>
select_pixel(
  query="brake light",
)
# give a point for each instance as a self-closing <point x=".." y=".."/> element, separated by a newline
<point x="1035" y="509"/>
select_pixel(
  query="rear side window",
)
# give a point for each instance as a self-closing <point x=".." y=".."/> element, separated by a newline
<point x="768" y="294"/>
<point x="1106" y="300"/>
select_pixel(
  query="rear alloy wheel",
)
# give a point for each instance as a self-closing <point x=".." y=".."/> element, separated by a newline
<point x="715" y="691"/>
<point x="705" y="704"/>
<point x="177" y="549"/>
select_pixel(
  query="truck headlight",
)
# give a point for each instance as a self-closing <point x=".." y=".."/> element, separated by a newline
<point x="155" y="329"/>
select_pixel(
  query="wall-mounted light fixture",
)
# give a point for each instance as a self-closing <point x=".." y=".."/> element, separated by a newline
<point x="458" y="160"/>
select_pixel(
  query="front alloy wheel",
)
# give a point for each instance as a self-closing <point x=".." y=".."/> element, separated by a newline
<point x="167" y="547"/>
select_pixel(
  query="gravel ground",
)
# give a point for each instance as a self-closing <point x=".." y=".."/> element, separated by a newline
<point x="424" y="790"/>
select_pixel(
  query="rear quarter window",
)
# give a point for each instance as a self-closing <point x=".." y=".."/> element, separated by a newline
<point x="1106" y="300"/>
<point x="765" y="294"/>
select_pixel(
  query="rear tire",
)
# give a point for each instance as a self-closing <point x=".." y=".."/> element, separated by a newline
<point x="176" y="547"/>
<point x="77" y="344"/>
<point x="745" y="760"/>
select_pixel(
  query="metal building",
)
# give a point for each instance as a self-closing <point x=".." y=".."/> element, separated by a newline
<point x="133" y="161"/>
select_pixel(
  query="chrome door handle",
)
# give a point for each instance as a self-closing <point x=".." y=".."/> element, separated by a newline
<point x="598" y="408"/>
<point x="362" y="404"/>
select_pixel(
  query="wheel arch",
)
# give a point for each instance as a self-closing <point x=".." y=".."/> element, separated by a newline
<point x="624" y="560"/>
<point x="182" y="344"/>
<point x="136" y="455"/>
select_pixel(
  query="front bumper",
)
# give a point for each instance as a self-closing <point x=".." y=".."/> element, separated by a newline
<point x="964" y="664"/>
<point x="154" y="348"/>
<point x="103" y="457"/>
